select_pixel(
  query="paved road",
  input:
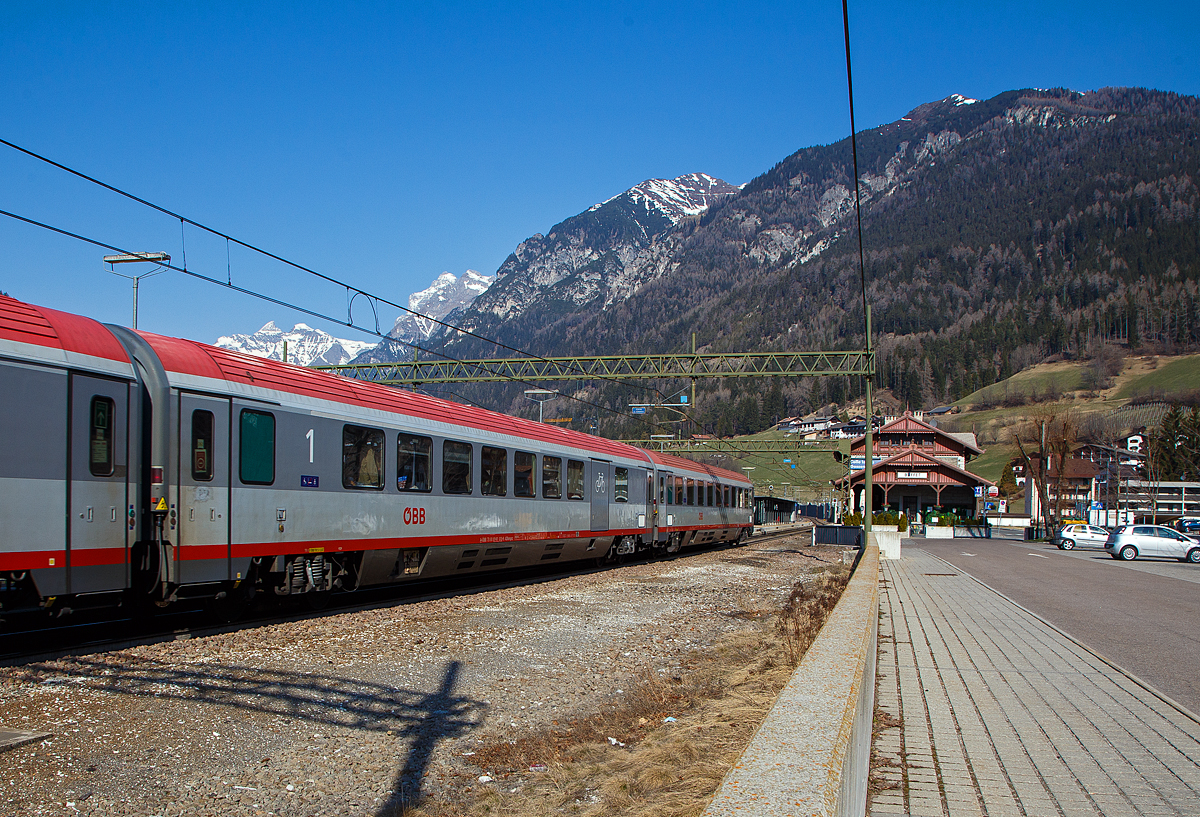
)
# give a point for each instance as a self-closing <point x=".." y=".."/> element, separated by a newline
<point x="993" y="712"/>
<point x="1144" y="616"/>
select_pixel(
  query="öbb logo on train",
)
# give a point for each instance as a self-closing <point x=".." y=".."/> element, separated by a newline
<point x="414" y="516"/>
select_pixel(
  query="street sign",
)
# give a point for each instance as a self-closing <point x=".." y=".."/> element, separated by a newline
<point x="639" y="409"/>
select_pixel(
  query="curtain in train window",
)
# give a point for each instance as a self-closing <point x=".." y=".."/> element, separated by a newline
<point x="524" y="464"/>
<point x="620" y="485"/>
<point x="493" y="471"/>
<point x="202" y="445"/>
<point x="678" y="490"/>
<point x="256" y="447"/>
<point x="412" y="463"/>
<point x="552" y="477"/>
<point x="574" y="479"/>
<point x="100" y="438"/>
<point x="456" y="467"/>
<point x="362" y="457"/>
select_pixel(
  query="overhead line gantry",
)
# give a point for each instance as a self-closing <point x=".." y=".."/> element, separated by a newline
<point x="615" y="367"/>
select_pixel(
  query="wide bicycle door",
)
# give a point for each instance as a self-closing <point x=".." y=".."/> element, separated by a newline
<point x="203" y="489"/>
<point x="601" y="493"/>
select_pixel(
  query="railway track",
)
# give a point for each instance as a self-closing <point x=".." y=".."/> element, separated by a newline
<point x="92" y="632"/>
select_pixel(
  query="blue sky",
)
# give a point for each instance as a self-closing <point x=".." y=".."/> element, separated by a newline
<point x="382" y="143"/>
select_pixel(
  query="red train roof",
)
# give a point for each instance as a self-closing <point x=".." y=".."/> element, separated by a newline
<point x="198" y="359"/>
<point x="39" y="326"/>
<point x="671" y="461"/>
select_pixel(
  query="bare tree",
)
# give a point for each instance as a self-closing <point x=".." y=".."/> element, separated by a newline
<point x="1054" y="430"/>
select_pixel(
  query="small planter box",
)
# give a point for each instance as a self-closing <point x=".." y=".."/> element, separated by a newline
<point x="938" y="532"/>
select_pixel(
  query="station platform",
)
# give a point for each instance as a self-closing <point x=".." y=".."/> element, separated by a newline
<point x="989" y="710"/>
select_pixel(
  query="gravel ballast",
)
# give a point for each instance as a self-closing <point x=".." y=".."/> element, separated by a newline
<point x="353" y="712"/>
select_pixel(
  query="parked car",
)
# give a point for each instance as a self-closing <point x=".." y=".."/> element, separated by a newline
<point x="1131" y="541"/>
<point x="1072" y="536"/>
<point x="1189" y="525"/>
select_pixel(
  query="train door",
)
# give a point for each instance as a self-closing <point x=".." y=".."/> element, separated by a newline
<point x="203" y="489"/>
<point x="649" y="532"/>
<point x="601" y="492"/>
<point x="98" y="485"/>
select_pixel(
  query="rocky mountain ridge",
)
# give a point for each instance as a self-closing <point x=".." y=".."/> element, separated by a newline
<point x="597" y="257"/>
<point x="997" y="232"/>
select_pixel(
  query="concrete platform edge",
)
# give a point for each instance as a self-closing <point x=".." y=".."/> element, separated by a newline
<point x="811" y="755"/>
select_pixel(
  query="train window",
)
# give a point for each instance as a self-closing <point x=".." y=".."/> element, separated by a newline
<point x="412" y="463"/>
<point x="552" y="477"/>
<point x="662" y="490"/>
<point x="202" y="445"/>
<point x="362" y="457"/>
<point x="708" y="487"/>
<point x="524" y="465"/>
<point x="456" y="467"/>
<point x="727" y="492"/>
<point x="574" y="479"/>
<point x="691" y="492"/>
<point x="620" y="485"/>
<point x="493" y="471"/>
<point x="256" y="447"/>
<point x="678" y="490"/>
<point x="100" y="438"/>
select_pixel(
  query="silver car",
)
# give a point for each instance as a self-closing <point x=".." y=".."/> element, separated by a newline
<point x="1131" y="541"/>
<point x="1085" y="536"/>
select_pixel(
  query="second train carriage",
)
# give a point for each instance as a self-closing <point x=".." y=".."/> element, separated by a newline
<point x="134" y="461"/>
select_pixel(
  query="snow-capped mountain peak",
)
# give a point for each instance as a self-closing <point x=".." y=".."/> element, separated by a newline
<point x="676" y="199"/>
<point x="305" y="346"/>
<point x="447" y="293"/>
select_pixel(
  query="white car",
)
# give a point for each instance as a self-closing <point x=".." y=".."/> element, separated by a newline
<point x="1128" y="542"/>
<point x="1087" y="536"/>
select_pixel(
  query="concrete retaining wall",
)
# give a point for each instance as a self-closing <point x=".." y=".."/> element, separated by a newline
<point x="938" y="532"/>
<point x="812" y="754"/>
<point x="888" y="539"/>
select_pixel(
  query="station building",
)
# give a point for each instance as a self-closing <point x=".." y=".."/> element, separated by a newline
<point x="917" y="467"/>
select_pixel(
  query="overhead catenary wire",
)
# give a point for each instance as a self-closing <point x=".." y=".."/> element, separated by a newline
<point x="270" y="299"/>
<point x="184" y="220"/>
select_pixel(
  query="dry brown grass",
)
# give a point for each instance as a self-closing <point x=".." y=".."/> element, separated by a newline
<point x="718" y="699"/>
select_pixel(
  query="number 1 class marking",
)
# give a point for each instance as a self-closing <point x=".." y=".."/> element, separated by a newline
<point x="309" y="437"/>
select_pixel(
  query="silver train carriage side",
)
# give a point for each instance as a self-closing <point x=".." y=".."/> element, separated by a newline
<point x="142" y="466"/>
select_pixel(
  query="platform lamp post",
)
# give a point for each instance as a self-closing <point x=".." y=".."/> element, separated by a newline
<point x="540" y="396"/>
<point x="137" y="258"/>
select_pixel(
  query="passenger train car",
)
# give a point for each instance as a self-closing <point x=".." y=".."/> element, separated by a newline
<point x="138" y="466"/>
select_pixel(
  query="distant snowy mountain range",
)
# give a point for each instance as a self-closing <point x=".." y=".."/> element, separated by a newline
<point x="305" y="346"/>
<point x="312" y="347"/>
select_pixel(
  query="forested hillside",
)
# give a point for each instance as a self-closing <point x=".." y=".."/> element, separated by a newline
<point x="998" y="233"/>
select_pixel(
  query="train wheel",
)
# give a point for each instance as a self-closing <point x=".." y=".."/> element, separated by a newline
<point x="316" y="600"/>
<point x="235" y="603"/>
